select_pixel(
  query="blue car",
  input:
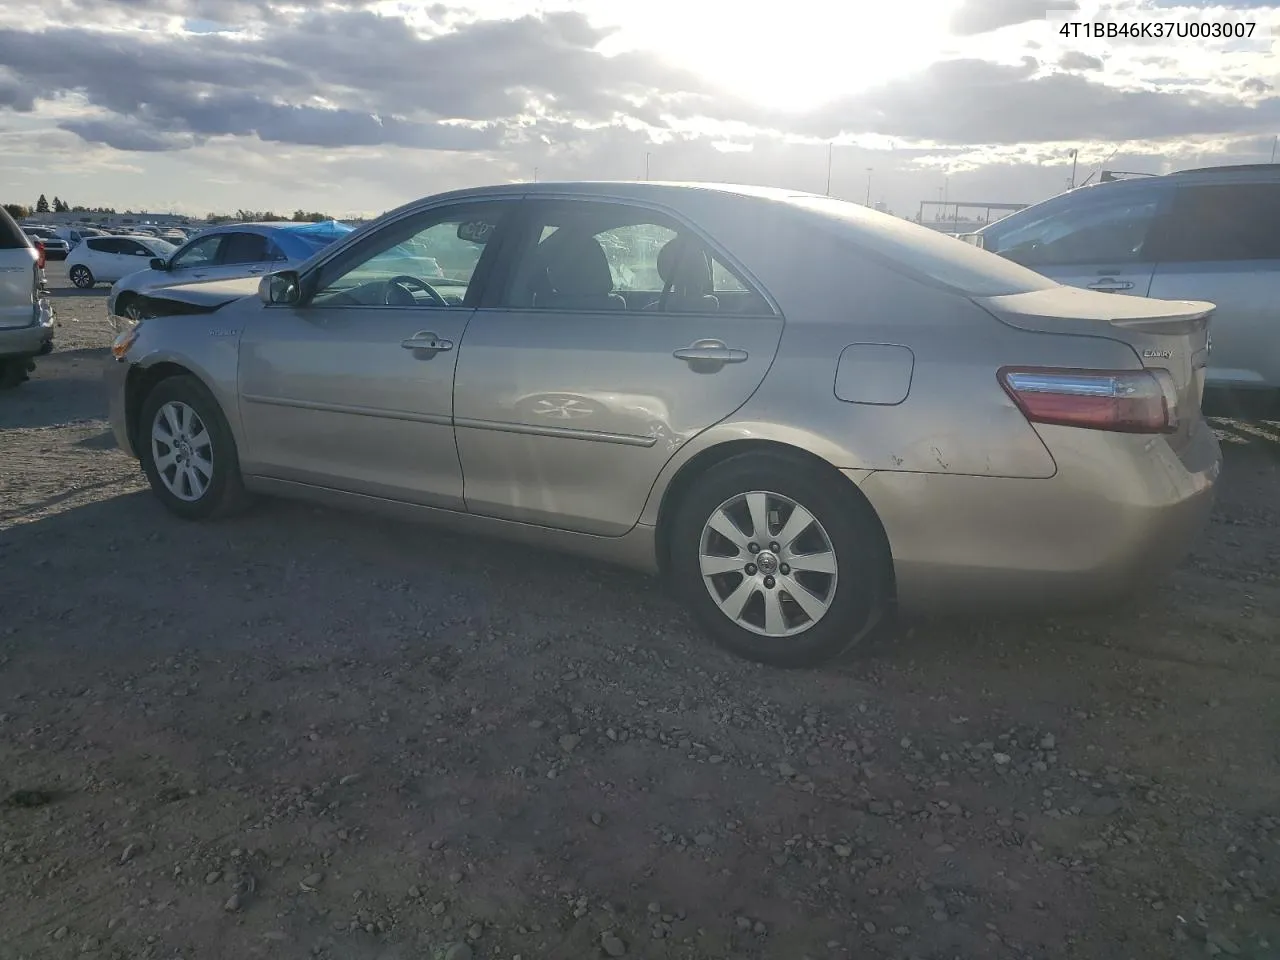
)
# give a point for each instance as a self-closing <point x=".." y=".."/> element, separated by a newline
<point x="226" y="252"/>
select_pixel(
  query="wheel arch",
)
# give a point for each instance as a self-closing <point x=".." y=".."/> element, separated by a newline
<point x="697" y="465"/>
<point x="138" y="386"/>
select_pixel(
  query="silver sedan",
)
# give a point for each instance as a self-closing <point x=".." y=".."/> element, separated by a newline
<point x="802" y="411"/>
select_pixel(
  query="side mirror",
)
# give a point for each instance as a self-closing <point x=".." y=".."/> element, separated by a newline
<point x="283" y="287"/>
<point x="159" y="263"/>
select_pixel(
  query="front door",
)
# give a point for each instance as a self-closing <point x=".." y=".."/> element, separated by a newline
<point x="1099" y="242"/>
<point x="353" y="388"/>
<point x="618" y="335"/>
<point x="196" y="259"/>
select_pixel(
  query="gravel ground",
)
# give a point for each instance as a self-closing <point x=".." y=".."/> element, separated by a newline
<point x="310" y="733"/>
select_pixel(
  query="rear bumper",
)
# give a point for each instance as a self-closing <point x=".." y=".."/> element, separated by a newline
<point x="1119" y="514"/>
<point x="32" y="340"/>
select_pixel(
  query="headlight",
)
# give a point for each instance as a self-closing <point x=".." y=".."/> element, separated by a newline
<point x="120" y="346"/>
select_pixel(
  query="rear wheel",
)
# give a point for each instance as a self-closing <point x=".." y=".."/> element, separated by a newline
<point x="187" y="451"/>
<point x="779" y="562"/>
<point x="81" y="276"/>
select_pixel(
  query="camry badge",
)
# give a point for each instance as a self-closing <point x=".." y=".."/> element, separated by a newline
<point x="1156" y="354"/>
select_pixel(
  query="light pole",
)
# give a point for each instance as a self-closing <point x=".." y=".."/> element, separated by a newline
<point x="831" y="147"/>
<point x="535" y="174"/>
<point x="1074" y="157"/>
<point x="646" y="166"/>
<point x="868" y="186"/>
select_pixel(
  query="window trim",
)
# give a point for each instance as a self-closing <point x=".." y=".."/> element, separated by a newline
<point x="333" y="266"/>
<point x="504" y="271"/>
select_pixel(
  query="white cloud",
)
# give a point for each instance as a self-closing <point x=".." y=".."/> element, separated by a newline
<point x="356" y="103"/>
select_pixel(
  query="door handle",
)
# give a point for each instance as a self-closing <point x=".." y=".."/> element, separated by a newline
<point x="426" y="340"/>
<point x="257" y="269"/>
<point x="1110" y="285"/>
<point x="710" y="351"/>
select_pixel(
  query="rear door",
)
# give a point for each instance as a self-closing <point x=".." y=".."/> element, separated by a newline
<point x="595" y="362"/>
<point x="242" y="254"/>
<point x="1099" y="242"/>
<point x="130" y="256"/>
<point x="1221" y="243"/>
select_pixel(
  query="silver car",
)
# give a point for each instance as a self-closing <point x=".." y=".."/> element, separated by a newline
<point x="1210" y="234"/>
<point x="800" y="410"/>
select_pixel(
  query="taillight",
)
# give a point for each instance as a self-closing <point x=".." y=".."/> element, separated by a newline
<point x="40" y="258"/>
<point x="1126" y="401"/>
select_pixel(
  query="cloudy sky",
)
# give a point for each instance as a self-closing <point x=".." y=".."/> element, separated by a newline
<point x="353" y="106"/>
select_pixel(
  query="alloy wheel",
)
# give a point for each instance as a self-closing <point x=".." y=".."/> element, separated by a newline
<point x="182" y="450"/>
<point x="768" y="563"/>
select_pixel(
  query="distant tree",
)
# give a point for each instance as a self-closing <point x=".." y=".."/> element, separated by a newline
<point x="81" y="209"/>
<point x="303" y="216"/>
<point x="17" y="210"/>
<point x="42" y="205"/>
<point x="59" y="206"/>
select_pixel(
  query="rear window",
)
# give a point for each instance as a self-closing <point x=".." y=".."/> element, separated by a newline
<point x="943" y="259"/>
<point x="11" y="235"/>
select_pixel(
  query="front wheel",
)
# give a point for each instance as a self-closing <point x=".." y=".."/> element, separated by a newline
<point x="81" y="276"/>
<point x="779" y="562"/>
<point x="187" y="451"/>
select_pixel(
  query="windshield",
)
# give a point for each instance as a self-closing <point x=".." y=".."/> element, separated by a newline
<point x="944" y="259"/>
<point x="161" y="248"/>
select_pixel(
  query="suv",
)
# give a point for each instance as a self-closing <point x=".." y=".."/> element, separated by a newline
<point x="1208" y="234"/>
<point x="26" y="317"/>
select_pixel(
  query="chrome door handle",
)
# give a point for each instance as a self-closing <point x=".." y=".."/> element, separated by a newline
<point x="257" y="270"/>
<point x="426" y="340"/>
<point x="1108" y="285"/>
<point x="710" y="351"/>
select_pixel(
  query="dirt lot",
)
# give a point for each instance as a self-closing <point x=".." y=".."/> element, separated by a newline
<point x="307" y="733"/>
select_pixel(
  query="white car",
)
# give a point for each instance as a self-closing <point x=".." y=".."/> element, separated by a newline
<point x="107" y="259"/>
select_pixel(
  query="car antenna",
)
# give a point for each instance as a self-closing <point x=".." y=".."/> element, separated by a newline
<point x="1098" y="170"/>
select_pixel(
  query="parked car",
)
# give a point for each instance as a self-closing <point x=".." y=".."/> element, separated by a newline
<point x="803" y="412"/>
<point x="26" y="316"/>
<point x="1208" y="234"/>
<point x="222" y="253"/>
<point x="107" y="259"/>
<point x="55" y="248"/>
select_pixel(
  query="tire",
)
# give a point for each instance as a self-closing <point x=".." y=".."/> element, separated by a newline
<point x="173" y="401"/>
<point x="14" y="372"/>
<point x="841" y="608"/>
<point x="81" y="276"/>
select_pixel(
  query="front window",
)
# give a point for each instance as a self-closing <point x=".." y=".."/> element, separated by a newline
<point x="198" y="253"/>
<point x="421" y="262"/>
<point x="1108" y="229"/>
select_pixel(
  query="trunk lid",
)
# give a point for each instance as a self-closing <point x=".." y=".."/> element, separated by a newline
<point x="1169" y="335"/>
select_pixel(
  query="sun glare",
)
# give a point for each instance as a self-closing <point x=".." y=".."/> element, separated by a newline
<point x="793" y="56"/>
